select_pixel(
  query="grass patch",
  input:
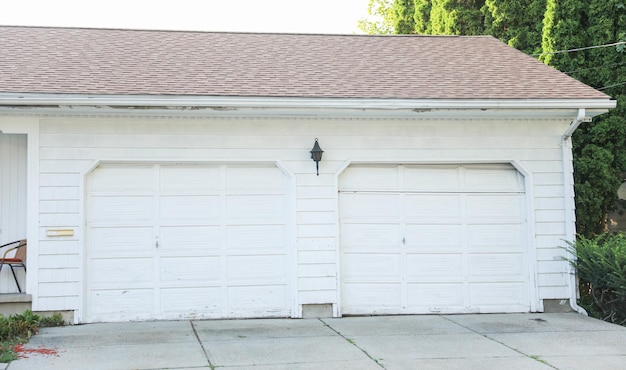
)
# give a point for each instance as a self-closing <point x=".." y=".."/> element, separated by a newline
<point x="17" y="329"/>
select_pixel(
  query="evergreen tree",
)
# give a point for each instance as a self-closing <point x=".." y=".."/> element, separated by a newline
<point x="456" y="17"/>
<point x="403" y="11"/>
<point x="599" y="148"/>
<point x="421" y="16"/>
<point x="522" y="30"/>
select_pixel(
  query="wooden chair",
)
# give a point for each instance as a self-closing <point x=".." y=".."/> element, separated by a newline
<point x="17" y="260"/>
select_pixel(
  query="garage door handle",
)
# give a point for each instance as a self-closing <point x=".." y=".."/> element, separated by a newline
<point x="157" y="243"/>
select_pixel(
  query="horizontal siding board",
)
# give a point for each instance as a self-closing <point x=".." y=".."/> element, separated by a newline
<point x="317" y="283"/>
<point x="316" y="205"/>
<point x="59" y="261"/>
<point x="56" y="303"/>
<point x="553" y="267"/>
<point x="59" y="220"/>
<point x="312" y="218"/>
<point x="550" y="216"/>
<point x="316" y="257"/>
<point x="552" y="280"/>
<point x="59" y="193"/>
<point x="318" y="270"/>
<point x="59" y="289"/>
<point x="59" y="206"/>
<point x="315" y="243"/>
<point x="317" y="297"/>
<point x="59" y="275"/>
<point x="316" y="231"/>
<point x="554" y="292"/>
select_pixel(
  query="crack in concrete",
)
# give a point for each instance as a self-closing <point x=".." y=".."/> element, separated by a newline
<point x="351" y="341"/>
<point x="533" y="357"/>
<point x="206" y="355"/>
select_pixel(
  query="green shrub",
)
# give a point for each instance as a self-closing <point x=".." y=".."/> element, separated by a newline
<point x="55" y="320"/>
<point x="601" y="267"/>
<point x="17" y="329"/>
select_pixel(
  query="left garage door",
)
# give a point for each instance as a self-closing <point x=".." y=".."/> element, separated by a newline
<point x="186" y="241"/>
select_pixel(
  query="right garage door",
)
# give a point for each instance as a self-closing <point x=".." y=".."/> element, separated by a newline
<point x="433" y="239"/>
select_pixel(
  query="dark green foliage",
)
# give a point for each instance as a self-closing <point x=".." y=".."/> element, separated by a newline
<point x="403" y="16"/>
<point x="17" y="329"/>
<point x="421" y="16"/>
<point x="17" y="326"/>
<point x="599" y="148"/>
<point x="51" y="321"/>
<point x="516" y="22"/>
<point x="439" y="17"/>
<point x="601" y="267"/>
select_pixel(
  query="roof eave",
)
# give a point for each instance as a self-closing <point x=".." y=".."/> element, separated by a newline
<point x="230" y="103"/>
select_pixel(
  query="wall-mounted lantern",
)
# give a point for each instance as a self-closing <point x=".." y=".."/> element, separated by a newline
<point x="316" y="155"/>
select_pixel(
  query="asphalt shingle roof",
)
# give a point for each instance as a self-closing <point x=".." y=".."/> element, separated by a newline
<point x="139" y="62"/>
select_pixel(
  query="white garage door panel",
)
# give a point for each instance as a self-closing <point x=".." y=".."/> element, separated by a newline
<point x="504" y="238"/>
<point x="190" y="271"/>
<point x="190" y="210"/>
<point x="493" y="178"/>
<point x="377" y="178"/>
<point x="494" y="267"/>
<point x="121" y="180"/>
<point x="434" y="238"/>
<point x="426" y="298"/>
<point x="434" y="267"/>
<point x="190" y="179"/>
<point x="255" y="208"/>
<point x="433" y="209"/>
<point x="114" y="274"/>
<point x="494" y="208"/>
<point x="186" y="241"/>
<point x="447" y="238"/>
<point x="498" y="294"/>
<point x="248" y="179"/>
<point x="370" y="205"/>
<point x="198" y="240"/>
<point x="372" y="298"/>
<point x="432" y="178"/>
<point x="373" y="267"/>
<point x="127" y="241"/>
<point x="259" y="300"/>
<point x="370" y="235"/>
<point x="122" y="211"/>
<point x="128" y="303"/>
<point x="186" y="302"/>
<point x="256" y="270"/>
<point x="256" y="238"/>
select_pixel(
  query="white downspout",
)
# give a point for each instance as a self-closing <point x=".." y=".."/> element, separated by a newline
<point x="570" y="222"/>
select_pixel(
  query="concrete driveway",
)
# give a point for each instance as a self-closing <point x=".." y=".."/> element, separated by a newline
<point x="503" y="341"/>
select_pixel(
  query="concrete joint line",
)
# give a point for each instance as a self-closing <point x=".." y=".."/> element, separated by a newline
<point x="352" y="342"/>
<point x="536" y="358"/>
<point x="206" y="355"/>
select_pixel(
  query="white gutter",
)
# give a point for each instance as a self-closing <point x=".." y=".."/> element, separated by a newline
<point x="570" y="206"/>
<point x="221" y="102"/>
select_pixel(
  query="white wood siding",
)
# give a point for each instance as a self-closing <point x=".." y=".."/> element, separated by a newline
<point x="71" y="146"/>
<point x="12" y="201"/>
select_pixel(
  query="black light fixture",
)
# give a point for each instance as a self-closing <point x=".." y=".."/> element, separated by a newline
<point x="316" y="155"/>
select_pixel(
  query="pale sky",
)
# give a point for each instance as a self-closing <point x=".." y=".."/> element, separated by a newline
<point x="293" y="16"/>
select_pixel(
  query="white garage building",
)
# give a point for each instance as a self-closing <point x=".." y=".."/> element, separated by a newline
<point x="168" y="175"/>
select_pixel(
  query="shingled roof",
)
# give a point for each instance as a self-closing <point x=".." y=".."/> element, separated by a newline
<point x="139" y="62"/>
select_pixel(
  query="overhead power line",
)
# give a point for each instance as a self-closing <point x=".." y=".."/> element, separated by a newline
<point x="614" y="85"/>
<point x="580" y="49"/>
<point x="594" y="68"/>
